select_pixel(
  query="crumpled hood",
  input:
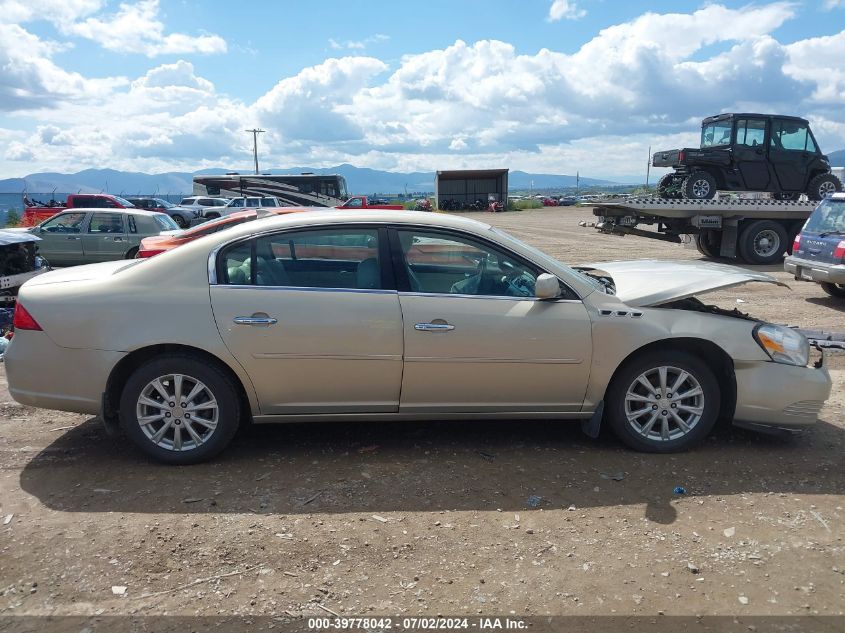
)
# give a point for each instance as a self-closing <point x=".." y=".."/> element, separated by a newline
<point x="649" y="282"/>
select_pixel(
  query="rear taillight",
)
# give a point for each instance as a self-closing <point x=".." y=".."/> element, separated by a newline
<point x="681" y="157"/>
<point x="142" y="254"/>
<point x="23" y="320"/>
<point x="796" y="243"/>
<point x="839" y="251"/>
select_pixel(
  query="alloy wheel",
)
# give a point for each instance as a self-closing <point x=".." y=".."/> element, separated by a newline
<point x="177" y="412"/>
<point x="827" y="188"/>
<point x="701" y="188"/>
<point x="664" y="403"/>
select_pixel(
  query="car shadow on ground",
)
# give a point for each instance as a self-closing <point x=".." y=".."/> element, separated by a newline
<point x="828" y="302"/>
<point x="413" y="467"/>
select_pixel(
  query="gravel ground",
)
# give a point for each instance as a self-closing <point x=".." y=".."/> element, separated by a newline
<point x="432" y="518"/>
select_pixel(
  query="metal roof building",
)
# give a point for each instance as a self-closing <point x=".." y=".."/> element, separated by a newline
<point x="466" y="186"/>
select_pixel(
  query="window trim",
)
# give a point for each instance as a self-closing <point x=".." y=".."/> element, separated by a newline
<point x="404" y="285"/>
<point x="217" y="273"/>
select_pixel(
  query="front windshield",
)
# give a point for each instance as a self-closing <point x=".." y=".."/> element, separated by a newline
<point x="540" y="257"/>
<point x="828" y="216"/>
<point x="716" y="134"/>
<point x="164" y="204"/>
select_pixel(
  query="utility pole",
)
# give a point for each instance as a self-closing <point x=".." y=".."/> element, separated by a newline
<point x="255" y="132"/>
<point x="648" y="167"/>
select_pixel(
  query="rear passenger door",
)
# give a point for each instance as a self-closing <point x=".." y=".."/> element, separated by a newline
<point x="313" y="317"/>
<point x="106" y="238"/>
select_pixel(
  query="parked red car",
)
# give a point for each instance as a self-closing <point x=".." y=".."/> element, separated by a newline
<point x="36" y="212"/>
<point x="160" y="243"/>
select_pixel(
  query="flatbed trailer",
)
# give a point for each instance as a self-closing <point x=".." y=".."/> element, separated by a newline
<point x="755" y="231"/>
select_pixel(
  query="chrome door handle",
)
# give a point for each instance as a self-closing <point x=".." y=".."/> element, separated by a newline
<point x="255" y="320"/>
<point x="118" y="239"/>
<point x="434" y="327"/>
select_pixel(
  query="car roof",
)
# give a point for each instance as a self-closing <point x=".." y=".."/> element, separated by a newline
<point x="110" y="210"/>
<point x="361" y="216"/>
<point x="733" y="115"/>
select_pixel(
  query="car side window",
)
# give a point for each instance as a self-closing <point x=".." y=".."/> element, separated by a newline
<point x="346" y="258"/>
<point x="133" y="227"/>
<point x="792" y="136"/>
<point x="355" y="203"/>
<point x="106" y="223"/>
<point x="444" y="263"/>
<point x="751" y="132"/>
<point x="64" y="223"/>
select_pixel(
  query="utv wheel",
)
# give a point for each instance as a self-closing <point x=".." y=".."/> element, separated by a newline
<point x="763" y="242"/>
<point x="699" y="186"/>
<point x="663" y="402"/>
<point x="834" y="290"/>
<point x="709" y="243"/>
<point x="181" y="222"/>
<point x="822" y="186"/>
<point x="667" y="187"/>
<point x="179" y="410"/>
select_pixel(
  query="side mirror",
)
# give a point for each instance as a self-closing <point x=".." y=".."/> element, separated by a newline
<point x="547" y="287"/>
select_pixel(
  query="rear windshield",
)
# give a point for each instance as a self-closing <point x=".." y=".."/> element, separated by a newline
<point x="828" y="216"/>
<point x="716" y="134"/>
<point x="165" y="222"/>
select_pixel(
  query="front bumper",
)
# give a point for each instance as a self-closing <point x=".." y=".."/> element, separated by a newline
<point x="808" y="270"/>
<point x="781" y="396"/>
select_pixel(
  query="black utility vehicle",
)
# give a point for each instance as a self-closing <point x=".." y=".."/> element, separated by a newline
<point x="749" y="152"/>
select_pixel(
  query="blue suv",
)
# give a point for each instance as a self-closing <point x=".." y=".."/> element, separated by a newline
<point x="818" y="253"/>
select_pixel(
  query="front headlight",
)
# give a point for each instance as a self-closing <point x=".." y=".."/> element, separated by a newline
<point x="783" y="344"/>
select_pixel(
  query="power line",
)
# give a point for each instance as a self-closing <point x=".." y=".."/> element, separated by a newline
<point x="255" y="133"/>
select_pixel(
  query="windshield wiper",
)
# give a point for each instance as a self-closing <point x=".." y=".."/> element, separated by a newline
<point x="826" y="233"/>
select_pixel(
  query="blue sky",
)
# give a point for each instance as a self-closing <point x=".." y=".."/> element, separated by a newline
<point x="542" y="85"/>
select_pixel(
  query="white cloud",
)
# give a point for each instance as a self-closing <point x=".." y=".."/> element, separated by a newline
<point x="644" y="82"/>
<point x="136" y="28"/>
<point x="565" y="10"/>
<point x="357" y="45"/>
<point x="30" y="79"/>
<point x="834" y="4"/>
<point x="56" y="11"/>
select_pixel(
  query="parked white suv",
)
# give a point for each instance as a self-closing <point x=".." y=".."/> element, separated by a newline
<point x="205" y="206"/>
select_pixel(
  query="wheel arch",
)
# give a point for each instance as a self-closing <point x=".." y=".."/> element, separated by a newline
<point x="716" y="358"/>
<point x="121" y="372"/>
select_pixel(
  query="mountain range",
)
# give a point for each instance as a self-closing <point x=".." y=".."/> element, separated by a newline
<point x="359" y="180"/>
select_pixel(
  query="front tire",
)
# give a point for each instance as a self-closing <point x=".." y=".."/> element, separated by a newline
<point x="822" y="186"/>
<point x="699" y="186"/>
<point x="663" y="402"/>
<point x="834" y="290"/>
<point x="181" y="222"/>
<point x="763" y="242"/>
<point x="180" y="410"/>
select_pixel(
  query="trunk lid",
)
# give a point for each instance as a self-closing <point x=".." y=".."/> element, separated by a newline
<point x="819" y="247"/>
<point x="83" y="273"/>
<point x="643" y="283"/>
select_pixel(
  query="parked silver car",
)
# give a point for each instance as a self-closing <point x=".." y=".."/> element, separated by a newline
<point x="85" y="236"/>
<point x="401" y="315"/>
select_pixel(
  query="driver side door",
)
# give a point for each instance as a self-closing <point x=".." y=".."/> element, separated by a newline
<point x="476" y="338"/>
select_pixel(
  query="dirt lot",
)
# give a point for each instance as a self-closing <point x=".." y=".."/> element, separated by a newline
<point x="435" y="518"/>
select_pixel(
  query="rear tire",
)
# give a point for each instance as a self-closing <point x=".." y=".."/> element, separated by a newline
<point x="656" y="420"/>
<point x="763" y="242"/>
<point x="166" y="430"/>
<point x="131" y="253"/>
<point x="699" y="186"/>
<point x="822" y="186"/>
<point x="667" y="187"/>
<point x="834" y="290"/>
<point x="709" y="243"/>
